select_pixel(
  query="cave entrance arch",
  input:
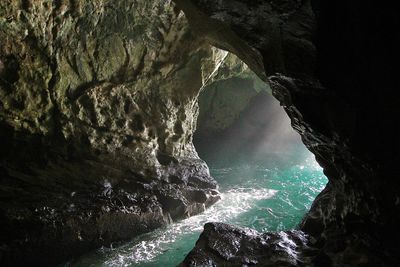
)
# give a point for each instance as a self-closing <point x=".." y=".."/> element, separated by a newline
<point x="247" y="140"/>
<point x="267" y="178"/>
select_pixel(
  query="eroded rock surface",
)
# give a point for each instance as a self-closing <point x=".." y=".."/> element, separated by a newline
<point x="227" y="94"/>
<point x="98" y="107"/>
<point x="327" y="62"/>
<point x="225" y="245"/>
<point x="98" y="103"/>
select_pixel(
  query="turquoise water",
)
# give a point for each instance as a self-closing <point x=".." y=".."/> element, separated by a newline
<point x="252" y="196"/>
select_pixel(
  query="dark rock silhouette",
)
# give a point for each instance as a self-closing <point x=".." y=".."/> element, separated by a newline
<point x="330" y="64"/>
<point x="98" y="105"/>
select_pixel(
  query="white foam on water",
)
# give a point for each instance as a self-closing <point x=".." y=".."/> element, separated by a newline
<point x="233" y="203"/>
<point x="311" y="163"/>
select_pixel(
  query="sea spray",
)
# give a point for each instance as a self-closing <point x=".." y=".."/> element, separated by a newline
<point x="252" y="196"/>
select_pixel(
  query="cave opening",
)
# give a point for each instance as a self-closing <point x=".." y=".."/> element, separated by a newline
<point x="98" y="107"/>
<point x="266" y="176"/>
<point x="247" y="140"/>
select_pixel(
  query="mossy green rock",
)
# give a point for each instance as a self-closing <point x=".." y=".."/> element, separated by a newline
<point x="98" y="104"/>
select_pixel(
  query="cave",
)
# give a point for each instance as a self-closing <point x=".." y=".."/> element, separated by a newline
<point x="267" y="179"/>
<point x="99" y="104"/>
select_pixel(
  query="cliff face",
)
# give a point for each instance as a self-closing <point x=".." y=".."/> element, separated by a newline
<point x="98" y="104"/>
<point x="335" y="83"/>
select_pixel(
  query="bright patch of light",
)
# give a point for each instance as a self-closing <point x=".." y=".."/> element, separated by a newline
<point x="234" y="202"/>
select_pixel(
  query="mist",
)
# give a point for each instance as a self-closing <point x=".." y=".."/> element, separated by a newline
<point x="238" y="125"/>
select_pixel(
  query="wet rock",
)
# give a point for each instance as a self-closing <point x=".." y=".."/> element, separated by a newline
<point x="84" y="213"/>
<point x="105" y="93"/>
<point x="98" y="104"/>
<point x="322" y="60"/>
<point x="224" y="245"/>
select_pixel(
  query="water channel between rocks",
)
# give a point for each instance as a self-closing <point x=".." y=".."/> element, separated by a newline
<point x="265" y="199"/>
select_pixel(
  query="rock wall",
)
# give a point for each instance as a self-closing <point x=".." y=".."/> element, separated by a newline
<point x="227" y="94"/>
<point x="337" y="86"/>
<point x="98" y="104"/>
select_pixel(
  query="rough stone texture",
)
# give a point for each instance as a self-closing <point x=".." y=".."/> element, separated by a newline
<point x="227" y="94"/>
<point x="337" y="84"/>
<point x="98" y="106"/>
<point x="98" y="103"/>
<point x="222" y="103"/>
<point x="225" y="245"/>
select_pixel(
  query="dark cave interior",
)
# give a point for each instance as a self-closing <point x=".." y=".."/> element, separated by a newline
<point x="98" y="104"/>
